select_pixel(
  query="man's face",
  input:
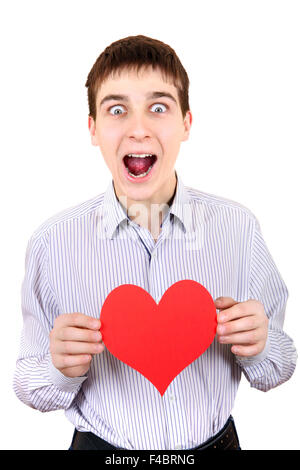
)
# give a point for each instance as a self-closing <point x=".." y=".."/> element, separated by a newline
<point x="140" y="123"/>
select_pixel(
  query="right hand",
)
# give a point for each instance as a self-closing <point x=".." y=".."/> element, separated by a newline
<point x="74" y="339"/>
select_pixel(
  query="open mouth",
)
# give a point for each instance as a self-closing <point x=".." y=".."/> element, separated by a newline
<point x="139" y="166"/>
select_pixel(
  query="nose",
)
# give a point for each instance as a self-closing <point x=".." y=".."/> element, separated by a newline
<point x="138" y="127"/>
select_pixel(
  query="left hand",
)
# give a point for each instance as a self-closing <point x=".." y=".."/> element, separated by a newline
<point x="242" y="324"/>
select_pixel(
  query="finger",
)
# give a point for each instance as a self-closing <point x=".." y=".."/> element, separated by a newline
<point x="65" y="361"/>
<point x="239" y="325"/>
<point x="247" y="337"/>
<point x="79" y="320"/>
<point x="79" y="334"/>
<point x="225" y="302"/>
<point x="78" y="347"/>
<point x="239" y="310"/>
<point x="246" y="350"/>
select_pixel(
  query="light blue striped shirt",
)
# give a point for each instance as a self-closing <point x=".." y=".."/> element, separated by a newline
<point x="77" y="257"/>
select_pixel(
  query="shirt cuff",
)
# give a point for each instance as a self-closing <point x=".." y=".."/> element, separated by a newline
<point x="257" y="359"/>
<point x="65" y="384"/>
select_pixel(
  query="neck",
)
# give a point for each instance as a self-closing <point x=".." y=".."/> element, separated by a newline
<point x="150" y="213"/>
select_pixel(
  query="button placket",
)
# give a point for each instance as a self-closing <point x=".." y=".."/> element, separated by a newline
<point x="172" y="398"/>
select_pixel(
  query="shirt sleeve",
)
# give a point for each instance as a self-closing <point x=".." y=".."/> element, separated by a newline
<point x="36" y="381"/>
<point x="277" y="362"/>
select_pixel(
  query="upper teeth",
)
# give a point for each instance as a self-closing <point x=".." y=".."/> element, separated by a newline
<point x="141" y="155"/>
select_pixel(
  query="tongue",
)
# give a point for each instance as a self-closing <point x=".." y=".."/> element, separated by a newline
<point x="137" y="165"/>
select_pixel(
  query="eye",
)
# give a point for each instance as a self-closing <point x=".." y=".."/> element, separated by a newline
<point x="116" y="106"/>
<point x="159" y="105"/>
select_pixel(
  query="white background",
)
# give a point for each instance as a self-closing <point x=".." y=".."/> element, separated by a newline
<point x="242" y="58"/>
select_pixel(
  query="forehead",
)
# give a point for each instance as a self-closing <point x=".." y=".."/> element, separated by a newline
<point x="131" y="82"/>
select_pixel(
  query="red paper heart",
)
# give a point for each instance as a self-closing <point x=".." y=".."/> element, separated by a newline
<point x="159" y="341"/>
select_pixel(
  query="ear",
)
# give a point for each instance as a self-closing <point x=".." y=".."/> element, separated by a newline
<point x="92" y="129"/>
<point x="187" y="123"/>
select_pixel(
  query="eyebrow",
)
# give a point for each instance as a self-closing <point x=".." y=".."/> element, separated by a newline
<point x="149" y="96"/>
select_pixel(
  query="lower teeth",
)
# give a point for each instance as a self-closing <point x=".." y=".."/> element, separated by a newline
<point x="141" y="175"/>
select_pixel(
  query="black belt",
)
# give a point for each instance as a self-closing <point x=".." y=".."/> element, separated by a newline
<point x="226" y="439"/>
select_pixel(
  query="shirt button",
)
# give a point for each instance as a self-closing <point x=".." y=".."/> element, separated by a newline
<point x="178" y="446"/>
<point x="154" y="256"/>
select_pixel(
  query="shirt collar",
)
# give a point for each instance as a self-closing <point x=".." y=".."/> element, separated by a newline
<point x="114" y="213"/>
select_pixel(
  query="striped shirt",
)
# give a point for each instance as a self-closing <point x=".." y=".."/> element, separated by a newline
<point x="77" y="257"/>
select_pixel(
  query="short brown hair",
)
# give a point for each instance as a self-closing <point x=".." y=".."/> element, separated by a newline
<point x="134" y="52"/>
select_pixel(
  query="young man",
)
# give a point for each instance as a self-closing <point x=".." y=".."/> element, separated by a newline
<point x="149" y="230"/>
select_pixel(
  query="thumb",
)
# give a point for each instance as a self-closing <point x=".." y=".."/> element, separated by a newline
<point x="225" y="302"/>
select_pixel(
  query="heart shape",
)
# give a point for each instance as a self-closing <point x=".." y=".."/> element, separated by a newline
<point x="158" y="341"/>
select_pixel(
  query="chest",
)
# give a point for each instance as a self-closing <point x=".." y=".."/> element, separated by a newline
<point x="83" y="271"/>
